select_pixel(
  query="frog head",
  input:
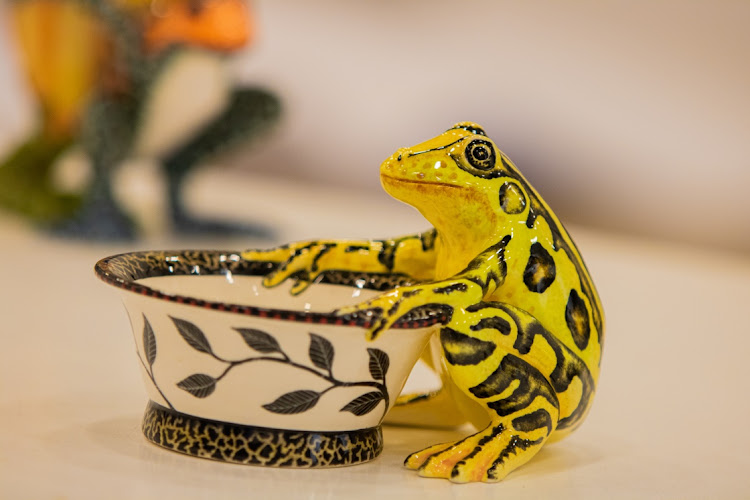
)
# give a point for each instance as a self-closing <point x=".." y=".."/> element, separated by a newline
<point x="462" y="183"/>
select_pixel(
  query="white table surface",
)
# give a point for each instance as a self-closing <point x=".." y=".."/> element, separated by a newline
<point x="669" y="419"/>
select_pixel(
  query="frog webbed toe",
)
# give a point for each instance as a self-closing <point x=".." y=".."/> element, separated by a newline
<point x="488" y="455"/>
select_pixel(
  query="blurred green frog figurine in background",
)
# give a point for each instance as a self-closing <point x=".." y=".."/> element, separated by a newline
<point x="521" y="346"/>
<point x="125" y="79"/>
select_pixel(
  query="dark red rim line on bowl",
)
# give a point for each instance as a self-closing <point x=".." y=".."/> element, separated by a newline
<point x="123" y="271"/>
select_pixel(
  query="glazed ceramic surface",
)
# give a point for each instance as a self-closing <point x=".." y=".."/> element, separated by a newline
<point x="521" y="343"/>
<point x="223" y="356"/>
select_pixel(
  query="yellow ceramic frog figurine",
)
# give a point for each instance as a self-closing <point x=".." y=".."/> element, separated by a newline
<point x="524" y="335"/>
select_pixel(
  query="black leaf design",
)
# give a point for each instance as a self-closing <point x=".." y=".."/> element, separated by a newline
<point x="199" y="385"/>
<point x="293" y="402"/>
<point x="321" y="352"/>
<point x="192" y="335"/>
<point x="149" y="342"/>
<point x="379" y="363"/>
<point x="259" y="340"/>
<point x="364" y="404"/>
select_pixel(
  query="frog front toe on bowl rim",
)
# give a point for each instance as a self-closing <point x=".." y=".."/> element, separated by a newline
<point x="241" y="373"/>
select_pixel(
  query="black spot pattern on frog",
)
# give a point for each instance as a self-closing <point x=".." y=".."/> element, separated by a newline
<point x="463" y="350"/>
<point x="536" y="210"/>
<point x="540" y="271"/>
<point x="577" y="318"/>
<point x="512" y="199"/>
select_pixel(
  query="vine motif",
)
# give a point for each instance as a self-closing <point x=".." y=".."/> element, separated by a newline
<point x="321" y="353"/>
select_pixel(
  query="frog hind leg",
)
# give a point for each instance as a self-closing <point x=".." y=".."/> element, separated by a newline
<point x="521" y="402"/>
<point x="490" y="454"/>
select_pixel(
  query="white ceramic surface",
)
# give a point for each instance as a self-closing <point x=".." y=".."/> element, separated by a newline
<point x="240" y="396"/>
<point x="275" y="365"/>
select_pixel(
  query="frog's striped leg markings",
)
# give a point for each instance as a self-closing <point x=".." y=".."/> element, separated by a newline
<point x="536" y="385"/>
<point x="568" y="374"/>
<point x="412" y="255"/>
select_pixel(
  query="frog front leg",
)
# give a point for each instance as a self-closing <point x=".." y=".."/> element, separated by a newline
<point x="305" y="262"/>
<point x="479" y="279"/>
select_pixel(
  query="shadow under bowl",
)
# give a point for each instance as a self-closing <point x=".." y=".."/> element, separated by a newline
<point x="241" y="373"/>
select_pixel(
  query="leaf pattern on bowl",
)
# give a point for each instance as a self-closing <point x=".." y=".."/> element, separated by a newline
<point x="321" y="353"/>
<point x="149" y="349"/>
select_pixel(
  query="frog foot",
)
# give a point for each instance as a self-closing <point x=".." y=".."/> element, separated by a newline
<point x="297" y="262"/>
<point x="386" y="309"/>
<point x="488" y="456"/>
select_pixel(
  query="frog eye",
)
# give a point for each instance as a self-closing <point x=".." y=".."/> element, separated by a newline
<point x="480" y="154"/>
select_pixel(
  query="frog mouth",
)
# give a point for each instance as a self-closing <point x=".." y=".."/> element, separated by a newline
<point x="418" y="182"/>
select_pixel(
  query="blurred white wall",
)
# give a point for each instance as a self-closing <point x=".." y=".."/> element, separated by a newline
<point x="626" y="115"/>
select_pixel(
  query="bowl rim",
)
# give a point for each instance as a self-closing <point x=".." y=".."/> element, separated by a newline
<point x="123" y="270"/>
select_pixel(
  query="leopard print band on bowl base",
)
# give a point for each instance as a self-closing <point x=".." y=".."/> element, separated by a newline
<point x="243" y="444"/>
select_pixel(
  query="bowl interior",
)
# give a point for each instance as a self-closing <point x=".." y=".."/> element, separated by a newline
<point x="249" y="291"/>
<point x="223" y="280"/>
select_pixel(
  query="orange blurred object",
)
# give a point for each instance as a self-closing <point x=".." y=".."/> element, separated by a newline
<point x="61" y="46"/>
<point x="215" y="24"/>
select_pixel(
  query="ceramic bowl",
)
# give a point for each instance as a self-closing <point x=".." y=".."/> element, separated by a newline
<point x="242" y="373"/>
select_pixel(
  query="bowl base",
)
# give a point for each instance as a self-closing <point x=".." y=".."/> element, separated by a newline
<point x="244" y="444"/>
